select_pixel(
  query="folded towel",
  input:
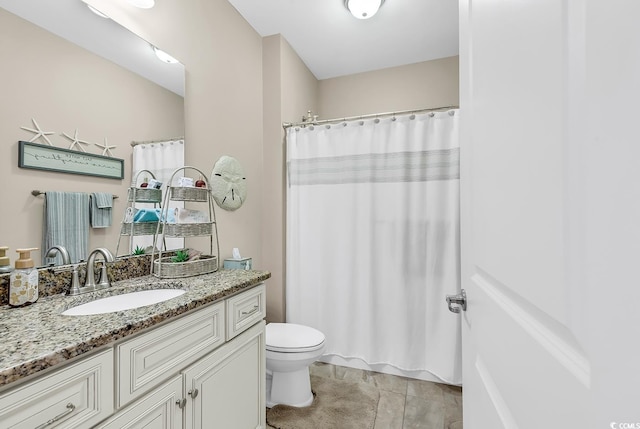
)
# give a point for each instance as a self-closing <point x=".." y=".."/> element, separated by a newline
<point x="103" y="200"/>
<point x="190" y="216"/>
<point x="66" y="223"/>
<point x="149" y="215"/>
<point x="101" y="209"/>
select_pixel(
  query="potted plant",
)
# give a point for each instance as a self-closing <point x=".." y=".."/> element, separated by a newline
<point x="180" y="256"/>
<point x="139" y="251"/>
<point x="185" y="263"/>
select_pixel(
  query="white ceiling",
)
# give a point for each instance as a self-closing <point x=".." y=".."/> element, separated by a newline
<point x="329" y="40"/>
<point x="332" y="43"/>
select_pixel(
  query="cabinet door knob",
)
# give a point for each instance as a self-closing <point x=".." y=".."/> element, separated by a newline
<point x="181" y="402"/>
<point x="193" y="393"/>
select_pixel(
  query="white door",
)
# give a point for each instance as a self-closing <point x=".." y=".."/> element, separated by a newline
<point x="550" y="140"/>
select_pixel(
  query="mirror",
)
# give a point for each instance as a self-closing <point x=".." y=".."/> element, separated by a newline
<point x="54" y="81"/>
<point x="74" y="21"/>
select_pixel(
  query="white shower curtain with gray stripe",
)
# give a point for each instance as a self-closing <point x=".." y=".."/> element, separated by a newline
<point x="373" y="241"/>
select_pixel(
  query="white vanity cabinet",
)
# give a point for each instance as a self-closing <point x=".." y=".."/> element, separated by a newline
<point x="225" y="390"/>
<point x="76" y="396"/>
<point x="188" y="374"/>
<point x="150" y="358"/>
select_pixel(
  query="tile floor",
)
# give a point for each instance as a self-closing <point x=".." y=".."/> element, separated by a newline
<point x="405" y="403"/>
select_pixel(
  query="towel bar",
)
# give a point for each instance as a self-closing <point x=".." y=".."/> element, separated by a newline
<point x="35" y="193"/>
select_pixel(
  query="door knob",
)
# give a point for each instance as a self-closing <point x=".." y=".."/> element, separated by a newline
<point x="456" y="302"/>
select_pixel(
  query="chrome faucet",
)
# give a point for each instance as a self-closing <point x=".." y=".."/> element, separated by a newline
<point x="74" y="289"/>
<point x="54" y="250"/>
<point x="103" y="281"/>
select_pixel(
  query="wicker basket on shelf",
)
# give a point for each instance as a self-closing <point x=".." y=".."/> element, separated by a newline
<point x="188" y="194"/>
<point x="165" y="268"/>
<point x="145" y="195"/>
<point x="187" y="229"/>
<point x="139" y="228"/>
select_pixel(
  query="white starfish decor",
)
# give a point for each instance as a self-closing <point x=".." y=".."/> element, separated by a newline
<point x="39" y="133"/>
<point x="75" y="141"/>
<point x="106" y="149"/>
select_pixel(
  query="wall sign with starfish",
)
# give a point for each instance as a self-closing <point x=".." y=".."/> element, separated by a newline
<point x="50" y="158"/>
<point x="76" y="143"/>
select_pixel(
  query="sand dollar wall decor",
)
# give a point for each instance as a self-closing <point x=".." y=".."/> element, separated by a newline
<point x="228" y="183"/>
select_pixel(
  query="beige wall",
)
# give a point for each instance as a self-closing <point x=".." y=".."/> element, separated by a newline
<point x="240" y="88"/>
<point x="222" y="56"/>
<point x="414" y="86"/>
<point x="66" y="88"/>
<point x="289" y="88"/>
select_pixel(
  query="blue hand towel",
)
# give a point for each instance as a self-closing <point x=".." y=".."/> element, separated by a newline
<point x="152" y="215"/>
<point x="147" y="215"/>
<point x="66" y="223"/>
<point x="101" y="209"/>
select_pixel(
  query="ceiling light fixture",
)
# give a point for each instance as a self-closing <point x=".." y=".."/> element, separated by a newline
<point x="97" y="12"/>
<point x="363" y="9"/>
<point x="143" y="4"/>
<point x="164" y="57"/>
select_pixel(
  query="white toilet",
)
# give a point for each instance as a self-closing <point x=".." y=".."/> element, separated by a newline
<point x="290" y="350"/>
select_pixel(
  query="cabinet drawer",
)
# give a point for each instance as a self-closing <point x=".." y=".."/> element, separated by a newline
<point x="244" y="310"/>
<point x="151" y="358"/>
<point x="77" y="396"/>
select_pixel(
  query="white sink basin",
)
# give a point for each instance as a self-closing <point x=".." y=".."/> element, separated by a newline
<point x="126" y="301"/>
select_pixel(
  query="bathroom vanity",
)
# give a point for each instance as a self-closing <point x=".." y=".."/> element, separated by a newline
<point x="197" y="360"/>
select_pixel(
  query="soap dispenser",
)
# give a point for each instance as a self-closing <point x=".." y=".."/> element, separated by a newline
<point x="5" y="265"/>
<point x="23" y="284"/>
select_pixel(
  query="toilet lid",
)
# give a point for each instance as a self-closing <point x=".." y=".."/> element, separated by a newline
<point x="292" y="338"/>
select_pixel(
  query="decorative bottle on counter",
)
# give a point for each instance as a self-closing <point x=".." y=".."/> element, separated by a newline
<point x="5" y="265"/>
<point x="23" y="284"/>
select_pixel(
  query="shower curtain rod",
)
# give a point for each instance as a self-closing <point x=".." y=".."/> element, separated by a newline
<point x="286" y="125"/>
<point x="135" y="143"/>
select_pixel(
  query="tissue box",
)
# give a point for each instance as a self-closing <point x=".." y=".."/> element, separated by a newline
<point x="237" y="264"/>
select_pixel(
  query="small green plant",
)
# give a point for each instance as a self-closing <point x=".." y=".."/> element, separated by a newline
<point x="138" y="250"/>
<point x="181" y="256"/>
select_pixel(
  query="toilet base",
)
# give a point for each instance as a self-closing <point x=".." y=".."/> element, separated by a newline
<point x="289" y="388"/>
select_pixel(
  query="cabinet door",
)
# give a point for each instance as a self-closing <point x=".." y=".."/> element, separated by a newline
<point x="151" y="358"/>
<point x="158" y="410"/>
<point x="230" y="385"/>
<point x="76" y="396"/>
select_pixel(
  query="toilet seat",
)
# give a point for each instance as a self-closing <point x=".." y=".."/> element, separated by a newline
<point x="293" y="338"/>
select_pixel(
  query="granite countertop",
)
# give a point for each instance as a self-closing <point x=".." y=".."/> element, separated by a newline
<point x="38" y="337"/>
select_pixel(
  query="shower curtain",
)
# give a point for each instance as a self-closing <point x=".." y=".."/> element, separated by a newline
<point x="162" y="159"/>
<point x="373" y="241"/>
